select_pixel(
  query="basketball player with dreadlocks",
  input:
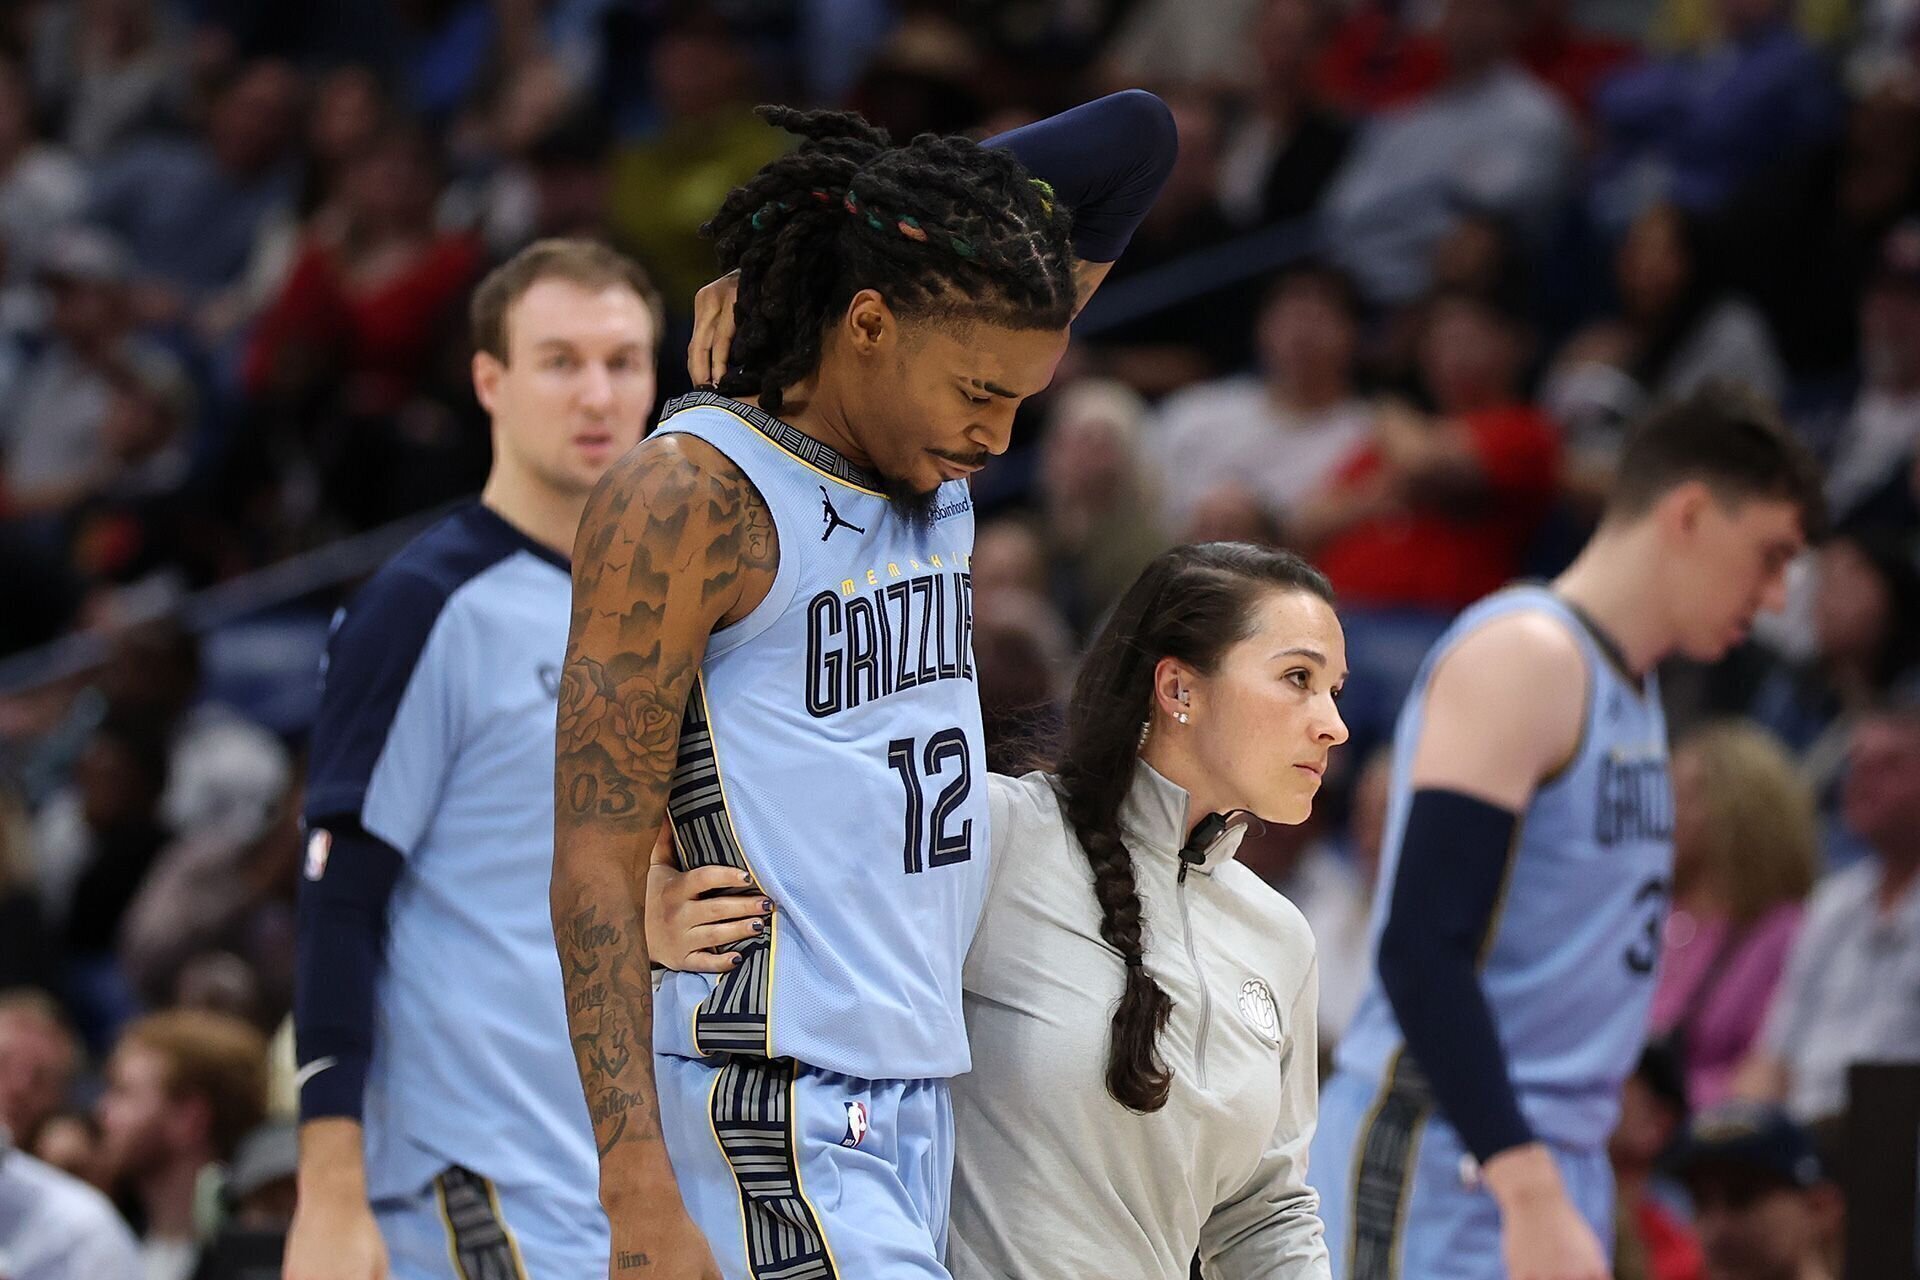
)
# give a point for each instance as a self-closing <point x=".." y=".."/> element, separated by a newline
<point x="771" y="649"/>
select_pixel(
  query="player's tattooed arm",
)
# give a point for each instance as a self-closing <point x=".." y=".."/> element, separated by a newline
<point x="675" y="542"/>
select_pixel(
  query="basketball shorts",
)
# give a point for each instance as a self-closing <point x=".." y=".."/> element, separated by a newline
<point x="462" y="1226"/>
<point x="1401" y="1198"/>
<point x="799" y="1174"/>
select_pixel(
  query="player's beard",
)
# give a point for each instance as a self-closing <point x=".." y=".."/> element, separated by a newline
<point x="912" y="505"/>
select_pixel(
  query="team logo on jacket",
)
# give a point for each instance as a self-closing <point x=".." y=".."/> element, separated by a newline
<point x="1257" y="1007"/>
<point x="856" y="1124"/>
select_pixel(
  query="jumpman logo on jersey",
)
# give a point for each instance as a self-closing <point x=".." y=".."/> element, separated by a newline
<point x="833" y="518"/>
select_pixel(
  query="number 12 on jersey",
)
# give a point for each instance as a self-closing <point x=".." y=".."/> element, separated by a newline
<point x="946" y="751"/>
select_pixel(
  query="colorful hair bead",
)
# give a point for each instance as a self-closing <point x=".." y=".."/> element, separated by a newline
<point x="910" y="228"/>
<point x="1046" y="194"/>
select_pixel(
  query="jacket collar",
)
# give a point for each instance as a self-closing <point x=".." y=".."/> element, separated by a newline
<point x="1154" y="817"/>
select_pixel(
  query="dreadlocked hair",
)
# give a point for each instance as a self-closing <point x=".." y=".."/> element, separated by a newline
<point x="941" y="226"/>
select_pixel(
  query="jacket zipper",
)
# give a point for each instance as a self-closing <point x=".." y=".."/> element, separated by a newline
<point x="1206" y="997"/>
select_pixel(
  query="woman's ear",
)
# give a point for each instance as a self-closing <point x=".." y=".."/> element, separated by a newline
<point x="1173" y="689"/>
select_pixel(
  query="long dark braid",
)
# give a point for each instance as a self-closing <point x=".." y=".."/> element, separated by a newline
<point x="1192" y="603"/>
<point x="940" y="225"/>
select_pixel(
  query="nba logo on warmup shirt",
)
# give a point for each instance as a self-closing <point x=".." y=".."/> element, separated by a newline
<point x="856" y="1124"/>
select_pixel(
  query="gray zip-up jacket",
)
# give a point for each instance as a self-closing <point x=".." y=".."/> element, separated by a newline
<point x="1057" y="1181"/>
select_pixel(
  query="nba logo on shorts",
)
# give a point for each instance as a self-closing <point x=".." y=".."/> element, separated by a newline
<point x="856" y="1124"/>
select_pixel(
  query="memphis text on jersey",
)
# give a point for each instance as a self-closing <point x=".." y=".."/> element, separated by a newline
<point x="897" y="628"/>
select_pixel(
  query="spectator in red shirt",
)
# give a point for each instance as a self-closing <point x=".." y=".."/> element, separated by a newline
<point x="1567" y="59"/>
<point x="1375" y="60"/>
<point x="367" y="296"/>
<point x="1441" y="509"/>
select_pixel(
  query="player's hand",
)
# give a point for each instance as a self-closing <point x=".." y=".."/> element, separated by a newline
<point x="660" y="1248"/>
<point x="712" y="329"/>
<point x="1551" y="1241"/>
<point x="692" y="913"/>
<point x="1542" y="1236"/>
<point x="334" y="1238"/>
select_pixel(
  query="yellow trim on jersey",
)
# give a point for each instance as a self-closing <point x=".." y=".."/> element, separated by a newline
<point x="761" y="436"/>
<point x="726" y="807"/>
<point x="446" y="1216"/>
<point x="1500" y="899"/>
<point x="1415" y="1132"/>
<point x="500" y="1216"/>
<point x="793" y="1147"/>
<point x="726" y="1162"/>
<point x="1357" y="1162"/>
<point x="1407" y="1170"/>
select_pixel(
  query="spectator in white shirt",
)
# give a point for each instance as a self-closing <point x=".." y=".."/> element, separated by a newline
<point x="1849" y="991"/>
<point x="1279" y="434"/>
<point x="1491" y="138"/>
<point x="55" y="1227"/>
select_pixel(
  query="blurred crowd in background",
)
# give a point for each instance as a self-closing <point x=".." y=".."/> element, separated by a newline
<point x="1417" y="267"/>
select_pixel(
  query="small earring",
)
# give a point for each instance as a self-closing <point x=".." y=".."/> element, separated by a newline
<point x="1145" y="729"/>
<point x="1182" y="717"/>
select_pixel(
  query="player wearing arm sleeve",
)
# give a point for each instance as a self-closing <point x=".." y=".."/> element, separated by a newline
<point x="1104" y="160"/>
<point x="1504" y="711"/>
<point x="1527" y="862"/>
<point x="442" y="1125"/>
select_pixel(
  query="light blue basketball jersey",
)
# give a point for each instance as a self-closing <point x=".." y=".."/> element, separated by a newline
<point x="832" y="746"/>
<point x="437" y="736"/>
<point x="1570" y="966"/>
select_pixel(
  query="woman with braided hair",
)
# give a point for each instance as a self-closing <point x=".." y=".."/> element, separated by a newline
<point x="1144" y="1077"/>
<point x="771" y="649"/>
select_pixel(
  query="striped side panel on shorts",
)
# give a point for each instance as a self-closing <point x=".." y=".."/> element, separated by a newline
<point x="1383" y="1172"/>
<point x="754" y="1124"/>
<point x="733" y="1019"/>
<point x="477" y="1235"/>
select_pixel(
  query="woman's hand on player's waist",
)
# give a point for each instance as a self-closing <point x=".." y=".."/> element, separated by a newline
<point x="692" y="914"/>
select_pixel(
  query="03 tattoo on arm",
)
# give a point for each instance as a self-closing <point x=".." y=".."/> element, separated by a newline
<point x="672" y="542"/>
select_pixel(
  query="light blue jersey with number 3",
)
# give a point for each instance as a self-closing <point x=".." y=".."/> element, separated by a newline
<point x="1570" y="965"/>
<point x="832" y="747"/>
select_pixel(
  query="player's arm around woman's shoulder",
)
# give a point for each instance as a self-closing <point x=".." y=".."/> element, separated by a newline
<point x="1504" y="710"/>
<point x="675" y="542"/>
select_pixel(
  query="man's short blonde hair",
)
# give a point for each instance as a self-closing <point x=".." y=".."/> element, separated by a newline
<point x="213" y="1056"/>
<point x="587" y="263"/>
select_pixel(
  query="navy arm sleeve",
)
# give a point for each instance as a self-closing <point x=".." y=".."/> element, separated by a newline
<point x="387" y="729"/>
<point x="1106" y="160"/>
<point x="340" y="936"/>
<point x="1453" y="868"/>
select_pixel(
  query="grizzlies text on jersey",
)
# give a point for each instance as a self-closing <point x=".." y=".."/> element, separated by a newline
<point x="1567" y="968"/>
<point x="832" y="747"/>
